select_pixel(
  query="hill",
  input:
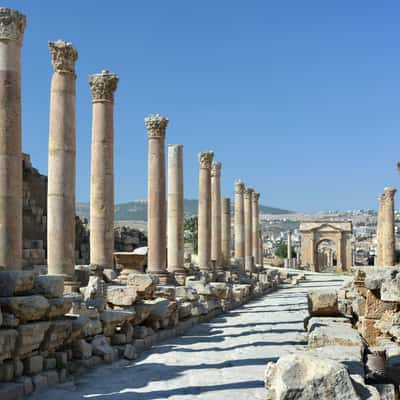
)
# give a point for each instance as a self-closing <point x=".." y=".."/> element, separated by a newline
<point x="137" y="210"/>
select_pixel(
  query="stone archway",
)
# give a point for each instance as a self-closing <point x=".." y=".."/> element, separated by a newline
<point x="314" y="233"/>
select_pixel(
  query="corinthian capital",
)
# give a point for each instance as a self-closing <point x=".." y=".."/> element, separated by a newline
<point x="103" y="86"/>
<point x="63" y="56"/>
<point x="255" y="196"/>
<point x="205" y="159"/>
<point x="216" y="168"/>
<point x="156" y="125"/>
<point x="12" y="24"/>
<point x="248" y="193"/>
<point x="388" y="193"/>
<point x="239" y="187"/>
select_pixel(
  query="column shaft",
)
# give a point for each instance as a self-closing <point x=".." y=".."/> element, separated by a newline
<point x="156" y="208"/>
<point x="102" y="170"/>
<point x="248" y="230"/>
<point x="255" y="227"/>
<point x="12" y="26"/>
<point x="61" y="175"/>
<point x="216" y="246"/>
<point x="175" y="210"/>
<point x="226" y="232"/>
<point x="239" y="223"/>
<point x="204" y="214"/>
<point x="289" y="249"/>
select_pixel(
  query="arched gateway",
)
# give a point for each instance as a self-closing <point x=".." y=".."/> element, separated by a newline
<point x="315" y="233"/>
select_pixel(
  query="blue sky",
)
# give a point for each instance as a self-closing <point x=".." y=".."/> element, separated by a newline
<point x="300" y="99"/>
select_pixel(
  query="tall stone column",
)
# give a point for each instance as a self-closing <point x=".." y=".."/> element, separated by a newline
<point x="62" y="150"/>
<point x="248" y="230"/>
<point x="226" y="232"/>
<point x="204" y="214"/>
<point x="156" y="207"/>
<point x="176" y="213"/>
<point x="386" y="234"/>
<point x="102" y="87"/>
<point x="12" y="26"/>
<point x="239" y="223"/>
<point x="261" y="249"/>
<point x="216" y="245"/>
<point x="255" y="227"/>
<point x="289" y="249"/>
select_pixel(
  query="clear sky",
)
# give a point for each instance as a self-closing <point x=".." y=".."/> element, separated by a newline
<point x="300" y="99"/>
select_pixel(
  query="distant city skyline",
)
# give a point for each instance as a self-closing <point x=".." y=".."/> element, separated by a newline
<point x="301" y="102"/>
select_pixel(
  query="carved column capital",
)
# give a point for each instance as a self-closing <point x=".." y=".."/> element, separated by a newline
<point x="156" y="126"/>
<point x="248" y="193"/>
<point x="103" y="86"/>
<point x="12" y="24"/>
<point x="216" y="168"/>
<point x="239" y="187"/>
<point x="256" y="196"/>
<point x="388" y="194"/>
<point x="205" y="159"/>
<point x="63" y="56"/>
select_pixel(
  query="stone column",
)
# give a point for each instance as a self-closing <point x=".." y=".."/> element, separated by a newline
<point x="175" y="224"/>
<point x="61" y="179"/>
<point x="216" y="246"/>
<point x="226" y="232"/>
<point x="156" y="207"/>
<point x="248" y="230"/>
<point x="204" y="214"/>
<point x="261" y="249"/>
<point x="255" y="227"/>
<point x="102" y="87"/>
<point x="386" y="234"/>
<point x="12" y="26"/>
<point x="239" y="223"/>
<point x="289" y="249"/>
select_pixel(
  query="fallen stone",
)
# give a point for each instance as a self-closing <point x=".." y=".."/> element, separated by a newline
<point x="49" y="285"/>
<point x="84" y="327"/>
<point x="323" y="302"/>
<point x="120" y="295"/>
<point x="58" y="333"/>
<point x="304" y="377"/>
<point x="167" y="292"/>
<point x="8" y="340"/>
<point x="33" y="365"/>
<point x="58" y="307"/>
<point x="162" y="309"/>
<point x="130" y="352"/>
<point x="81" y="349"/>
<point x="316" y="322"/>
<point x="375" y="277"/>
<point x="94" y="292"/>
<point x="25" y="308"/>
<point x="375" y="307"/>
<point x="101" y="347"/>
<point x="145" y="284"/>
<point x="143" y="309"/>
<point x="390" y="289"/>
<point x="30" y="337"/>
<point x="112" y="319"/>
<point x="16" y="282"/>
<point x="185" y="310"/>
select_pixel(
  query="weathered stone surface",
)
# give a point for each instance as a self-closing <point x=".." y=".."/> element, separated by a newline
<point x="58" y="333"/>
<point x="375" y="277"/>
<point x="316" y="322"/>
<point x="11" y="391"/>
<point x="323" y="302"/>
<point x="185" y="310"/>
<point x="8" y="340"/>
<point x="202" y="288"/>
<point x="59" y="306"/>
<point x="390" y="289"/>
<point x="25" y="308"/>
<point x="303" y="377"/>
<point x="7" y="371"/>
<point x="81" y="349"/>
<point x="109" y="274"/>
<point x="221" y="289"/>
<point x="375" y="307"/>
<point x="49" y="285"/>
<point x="9" y="320"/>
<point x="30" y="337"/>
<point x="101" y="347"/>
<point x="33" y="365"/>
<point x="186" y="293"/>
<point x="26" y="381"/>
<point x="143" y="309"/>
<point x="94" y="292"/>
<point x="130" y="352"/>
<point x="145" y="284"/>
<point x="167" y="292"/>
<point x="163" y="308"/>
<point x="84" y="327"/>
<point x="368" y="330"/>
<point x="112" y="319"/>
<point x="121" y="295"/>
<point x="16" y="282"/>
<point x="335" y="335"/>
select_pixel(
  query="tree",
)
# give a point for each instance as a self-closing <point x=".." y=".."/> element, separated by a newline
<point x="281" y="251"/>
<point x="191" y="229"/>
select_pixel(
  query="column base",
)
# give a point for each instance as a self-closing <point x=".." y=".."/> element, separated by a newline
<point x="71" y="286"/>
<point x="180" y="278"/>
<point x="163" y="278"/>
<point x="249" y="264"/>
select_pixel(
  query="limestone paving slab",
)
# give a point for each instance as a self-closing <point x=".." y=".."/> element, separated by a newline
<point x="223" y="359"/>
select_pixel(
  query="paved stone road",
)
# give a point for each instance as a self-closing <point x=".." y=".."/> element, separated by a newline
<point x="223" y="359"/>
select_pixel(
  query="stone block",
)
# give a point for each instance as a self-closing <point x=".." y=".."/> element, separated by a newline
<point x="58" y="333"/>
<point x="18" y="367"/>
<point x="26" y="381"/>
<point x="81" y="349"/>
<point x="9" y="321"/>
<point x="323" y="302"/>
<point x="61" y="359"/>
<point x="7" y="371"/>
<point x="119" y="339"/>
<point x="130" y="352"/>
<point x="59" y="306"/>
<point x="368" y="330"/>
<point x="11" y="391"/>
<point x="112" y="319"/>
<point x="145" y="284"/>
<point x="390" y="289"/>
<point x="49" y="363"/>
<point x="49" y="286"/>
<point x="101" y="347"/>
<point x="162" y="308"/>
<point x="303" y="377"/>
<point x="16" y="282"/>
<point x="316" y="322"/>
<point x="143" y="309"/>
<point x="84" y="327"/>
<point x="375" y="307"/>
<point x="375" y="277"/>
<point x="52" y="377"/>
<point x="30" y="337"/>
<point x="25" y="308"/>
<point x="33" y="365"/>
<point x="119" y="295"/>
<point x="185" y="310"/>
<point x="8" y="341"/>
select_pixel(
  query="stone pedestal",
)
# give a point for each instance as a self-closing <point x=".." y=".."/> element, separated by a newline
<point x="61" y="175"/>
<point x="226" y="232"/>
<point x="129" y="263"/>
<point x="12" y="26"/>
<point x="386" y="245"/>
<point x="216" y="246"/>
<point x="175" y="224"/>
<point x="248" y="230"/>
<point x="156" y="212"/>
<point x="255" y="227"/>
<point x="204" y="214"/>
<point x="102" y="87"/>
<point x="239" y="223"/>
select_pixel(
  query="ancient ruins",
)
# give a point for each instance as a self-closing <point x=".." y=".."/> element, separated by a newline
<point x="75" y="295"/>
